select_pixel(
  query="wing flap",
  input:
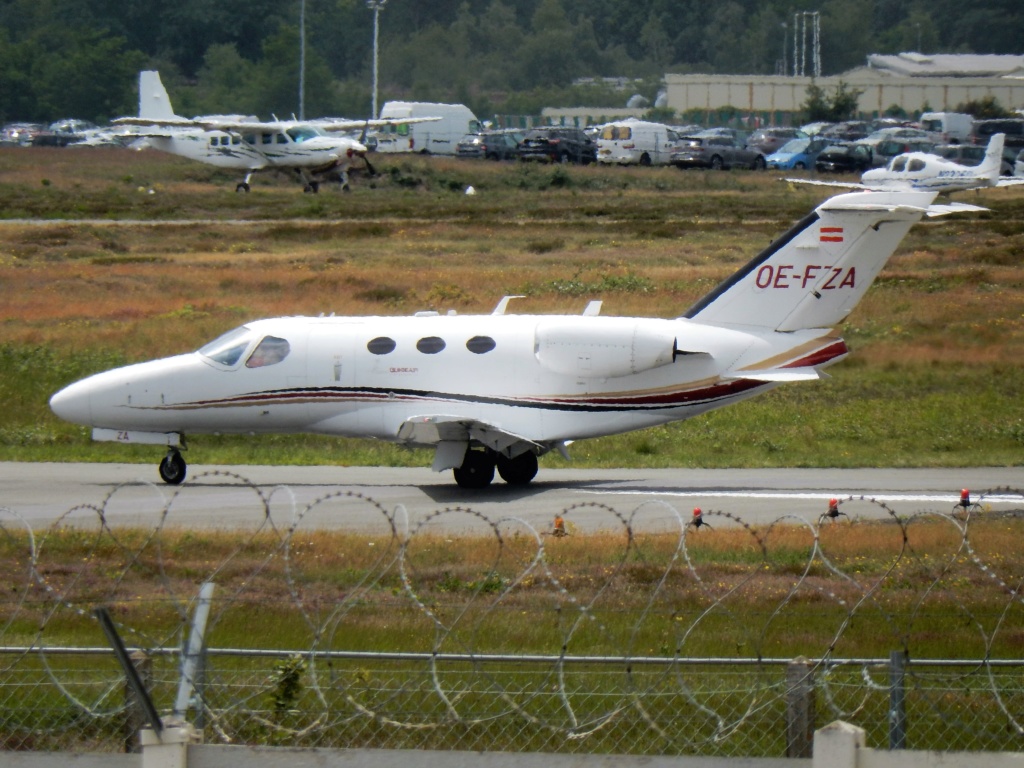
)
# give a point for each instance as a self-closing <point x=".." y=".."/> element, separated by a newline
<point x="452" y="435"/>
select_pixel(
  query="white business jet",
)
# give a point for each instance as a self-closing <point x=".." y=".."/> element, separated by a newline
<point x="496" y="391"/>
<point x="925" y="171"/>
<point x="305" y="148"/>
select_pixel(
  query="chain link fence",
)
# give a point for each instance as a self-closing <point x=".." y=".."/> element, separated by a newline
<point x="619" y="628"/>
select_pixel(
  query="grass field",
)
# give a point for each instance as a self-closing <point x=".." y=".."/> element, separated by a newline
<point x="934" y="379"/>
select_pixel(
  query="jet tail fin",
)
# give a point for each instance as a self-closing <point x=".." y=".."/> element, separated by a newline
<point x="992" y="164"/>
<point x="154" y="103"/>
<point x="814" y="275"/>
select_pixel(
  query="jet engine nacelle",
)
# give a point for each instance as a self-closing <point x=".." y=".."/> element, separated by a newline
<point x="603" y="347"/>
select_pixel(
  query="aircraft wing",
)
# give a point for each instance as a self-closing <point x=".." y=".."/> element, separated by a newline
<point x="452" y="434"/>
<point x="820" y="183"/>
<point x="1011" y="181"/>
<point x="340" y="124"/>
<point x="176" y="122"/>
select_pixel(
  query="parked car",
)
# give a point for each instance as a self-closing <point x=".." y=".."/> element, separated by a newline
<point x="558" y="145"/>
<point x="845" y="157"/>
<point x="489" y="145"/>
<point x="884" y="151"/>
<point x="1013" y="127"/>
<point x="636" y="142"/>
<point x="973" y="154"/>
<point x="20" y="134"/>
<point x="64" y="132"/>
<point x="768" y="140"/>
<point x="797" y="154"/>
<point x="717" y="151"/>
<point x="848" y="130"/>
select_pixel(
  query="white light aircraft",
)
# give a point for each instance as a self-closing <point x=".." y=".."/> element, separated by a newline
<point x="496" y="391"/>
<point x="925" y="171"/>
<point x="304" y="148"/>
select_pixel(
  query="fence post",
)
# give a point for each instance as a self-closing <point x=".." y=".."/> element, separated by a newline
<point x="136" y="718"/>
<point x="897" y="700"/>
<point x="799" y="708"/>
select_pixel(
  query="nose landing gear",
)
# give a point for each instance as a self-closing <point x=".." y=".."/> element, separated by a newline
<point x="173" y="467"/>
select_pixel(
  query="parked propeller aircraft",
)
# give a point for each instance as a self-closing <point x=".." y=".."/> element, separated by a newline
<point x="496" y="391"/>
<point x="922" y="170"/>
<point x="301" y="147"/>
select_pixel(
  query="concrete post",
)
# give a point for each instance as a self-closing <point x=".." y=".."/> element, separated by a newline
<point x="838" y="745"/>
<point x="167" y="748"/>
<point x="800" y="710"/>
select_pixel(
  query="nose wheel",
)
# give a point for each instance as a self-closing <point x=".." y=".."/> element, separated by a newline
<point x="172" y="468"/>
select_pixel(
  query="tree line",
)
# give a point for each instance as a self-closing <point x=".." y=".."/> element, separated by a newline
<point x="80" y="58"/>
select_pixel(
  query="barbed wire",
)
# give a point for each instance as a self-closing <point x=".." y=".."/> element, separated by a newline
<point x="593" y="679"/>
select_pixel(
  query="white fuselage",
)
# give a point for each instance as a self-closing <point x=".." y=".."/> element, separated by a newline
<point x="259" y="150"/>
<point x="553" y="378"/>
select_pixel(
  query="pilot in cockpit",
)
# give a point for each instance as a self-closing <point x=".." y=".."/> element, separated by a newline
<point x="270" y="351"/>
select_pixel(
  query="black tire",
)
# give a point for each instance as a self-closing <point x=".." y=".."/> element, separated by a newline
<point x="477" y="470"/>
<point x="759" y="163"/>
<point x="173" y="468"/>
<point x="645" y="159"/>
<point x="518" y="471"/>
<point x="799" y="166"/>
<point x="716" y="163"/>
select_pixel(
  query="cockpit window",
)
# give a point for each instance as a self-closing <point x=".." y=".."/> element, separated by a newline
<point x="917" y="164"/>
<point x="270" y="351"/>
<point x="301" y="134"/>
<point x="899" y="164"/>
<point x="228" y="349"/>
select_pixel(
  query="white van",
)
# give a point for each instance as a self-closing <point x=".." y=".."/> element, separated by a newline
<point x="437" y="137"/>
<point x="636" y="142"/>
<point x="948" y="127"/>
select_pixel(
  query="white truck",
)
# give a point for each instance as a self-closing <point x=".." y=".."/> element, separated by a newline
<point x="948" y="127"/>
<point x="636" y="142"/>
<point x="436" y="137"/>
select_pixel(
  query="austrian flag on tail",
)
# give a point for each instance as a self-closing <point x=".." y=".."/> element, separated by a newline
<point x="831" y="234"/>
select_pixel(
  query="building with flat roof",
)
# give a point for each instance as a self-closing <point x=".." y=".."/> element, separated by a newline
<point x="911" y="81"/>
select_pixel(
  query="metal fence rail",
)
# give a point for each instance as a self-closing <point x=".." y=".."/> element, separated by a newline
<point x="622" y="669"/>
<point x="77" y="699"/>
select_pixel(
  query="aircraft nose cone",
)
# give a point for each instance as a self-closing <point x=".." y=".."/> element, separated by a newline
<point x="73" y="403"/>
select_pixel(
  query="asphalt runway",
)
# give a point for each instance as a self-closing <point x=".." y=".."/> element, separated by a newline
<point x="364" y="499"/>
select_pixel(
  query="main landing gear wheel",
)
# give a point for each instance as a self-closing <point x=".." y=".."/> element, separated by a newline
<point x="242" y="187"/>
<point x="312" y="188"/>
<point x="172" y="468"/>
<point x="518" y="471"/>
<point x="477" y="470"/>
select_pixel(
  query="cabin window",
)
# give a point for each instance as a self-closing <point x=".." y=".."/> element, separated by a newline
<point x="917" y="164"/>
<point x="228" y="349"/>
<point x="382" y="345"/>
<point x="899" y="164"/>
<point x="281" y="139"/>
<point x="270" y="351"/>
<point x="480" y="345"/>
<point x="430" y="345"/>
<point x="235" y="139"/>
<point x="250" y="138"/>
<point x="266" y="138"/>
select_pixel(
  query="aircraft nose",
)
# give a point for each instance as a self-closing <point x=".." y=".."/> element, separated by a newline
<point x="73" y="403"/>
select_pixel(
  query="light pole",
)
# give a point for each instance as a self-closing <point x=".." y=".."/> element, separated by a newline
<point x="302" y="60"/>
<point x="376" y="6"/>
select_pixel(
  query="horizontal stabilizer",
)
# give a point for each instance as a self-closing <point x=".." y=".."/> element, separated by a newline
<point x="780" y="375"/>
<point x="947" y="208"/>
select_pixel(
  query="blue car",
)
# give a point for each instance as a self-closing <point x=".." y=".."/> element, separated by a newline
<point x="798" y="154"/>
